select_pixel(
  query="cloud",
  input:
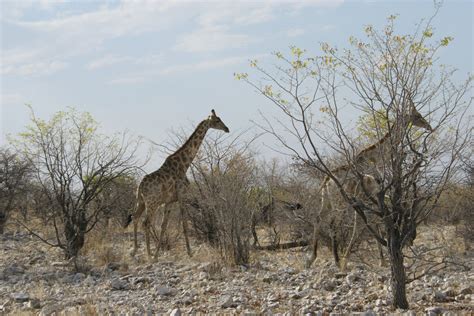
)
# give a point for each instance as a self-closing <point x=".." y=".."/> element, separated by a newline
<point x="111" y="60"/>
<point x="209" y="64"/>
<point x="328" y="27"/>
<point x="40" y="68"/>
<point x="211" y="38"/>
<point x="107" y="61"/>
<point x="12" y="99"/>
<point x="84" y="31"/>
<point x="236" y="13"/>
<point x="80" y="34"/>
<point x="17" y="9"/>
<point x="294" y="32"/>
<point x="203" y="65"/>
<point x="127" y="80"/>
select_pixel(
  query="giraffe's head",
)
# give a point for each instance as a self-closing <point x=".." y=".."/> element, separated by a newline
<point x="216" y="123"/>
<point x="418" y="120"/>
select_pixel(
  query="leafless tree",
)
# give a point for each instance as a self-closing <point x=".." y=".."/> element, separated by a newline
<point x="73" y="164"/>
<point x="14" y="179"/>
<point x="389" y="79"/>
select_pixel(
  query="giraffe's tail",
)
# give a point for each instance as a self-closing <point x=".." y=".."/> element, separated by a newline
<point x="136" y="212"/>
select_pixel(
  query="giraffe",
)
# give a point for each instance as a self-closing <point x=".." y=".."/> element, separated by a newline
<point x="361" y="186"/>
<point x="167" y="185"/>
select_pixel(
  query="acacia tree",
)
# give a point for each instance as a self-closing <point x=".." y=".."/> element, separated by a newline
<point x="388" y="74"/>
<point x="73" y="164"/>
<point x="14" y="178"/>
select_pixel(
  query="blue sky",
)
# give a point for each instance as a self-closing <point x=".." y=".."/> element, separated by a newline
<point x="152" y="66"/>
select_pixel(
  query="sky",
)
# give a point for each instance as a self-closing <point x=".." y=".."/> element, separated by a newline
<point x="154" y="66"/>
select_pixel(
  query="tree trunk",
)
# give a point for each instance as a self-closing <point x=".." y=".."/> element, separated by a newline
<point x="75" y="234"/>
<point x="398" y="276"/>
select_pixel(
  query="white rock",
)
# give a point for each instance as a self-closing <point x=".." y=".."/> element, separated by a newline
<point x="20" y="297"/>
<point x="164" y="290"/>
<point x="175" y="312"/>
<point x="435" y="310"/>
<point x="203" y="276"/>
<point x="227" y="301"/>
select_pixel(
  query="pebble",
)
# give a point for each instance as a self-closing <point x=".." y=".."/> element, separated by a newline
<point x="227" y="301"/>
<point x="164" y="291"/>
<point x="180" y="287"/>
<point x="20" y="297"/>
<point x="118" y="284"/>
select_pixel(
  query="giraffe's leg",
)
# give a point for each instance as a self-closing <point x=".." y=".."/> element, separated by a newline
<point x="380" y="249"/>
<point x="181" y="189"/>
<point x="314" y="247"/>
<point x="254" y="229"/>
<point x="140" y="208"/>
<point x="334" y="243"/>
<point x="185" y="228"/>
<point x="325" y="205"/>
<point x="335" y="251"/>
<point x="146" y="228"/>
<point x="164" y="225"/>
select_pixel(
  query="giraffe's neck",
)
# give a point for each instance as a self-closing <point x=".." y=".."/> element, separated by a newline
<point x="370" y="155"/>
<point x="374" y="152"/>
<point x="186" y="153"/>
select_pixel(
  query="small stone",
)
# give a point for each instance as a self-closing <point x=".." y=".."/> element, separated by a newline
<point x="113" y="266"/>
<point x="138" y="280"/>
<point x="371" y="297"/>
<point x="466" y="290"/>
<point x="272" y="298"/>
<point x="435" y="310"/>
<point x="164" y="290"/>
<point x="89" y="281"/>
<point x="78" y="277"/>
<point x="14" y="270"/>
<point x="49" y="309"/>
<point x="175" y="312"/>
<point x="118" y="284"/>
<point x="267" y="279"/>
<point x="460" y="297"/>
<point x="33" y="304"/>
<point x="450" y="292"/>
<point x="441" y="297"/>
<point x="352" y="278"/>
<point x="329" y="285"/>
<point x="227" y="301"/>
<point x="203" y="276"/>
<point x="20" y="297"/>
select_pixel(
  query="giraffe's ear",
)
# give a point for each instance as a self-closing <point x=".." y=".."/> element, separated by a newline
<point x="213" y="112"/>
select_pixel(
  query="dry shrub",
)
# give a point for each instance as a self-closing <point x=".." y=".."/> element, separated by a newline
<point x="223" y="178"/>
<point x="455" y="208"/>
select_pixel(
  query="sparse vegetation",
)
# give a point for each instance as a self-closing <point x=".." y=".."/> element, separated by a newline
<point x="394" y="186"/>
<point x="74" y="167"/>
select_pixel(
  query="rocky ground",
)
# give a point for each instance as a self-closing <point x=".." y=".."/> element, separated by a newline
<point x="33" y="280"/>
